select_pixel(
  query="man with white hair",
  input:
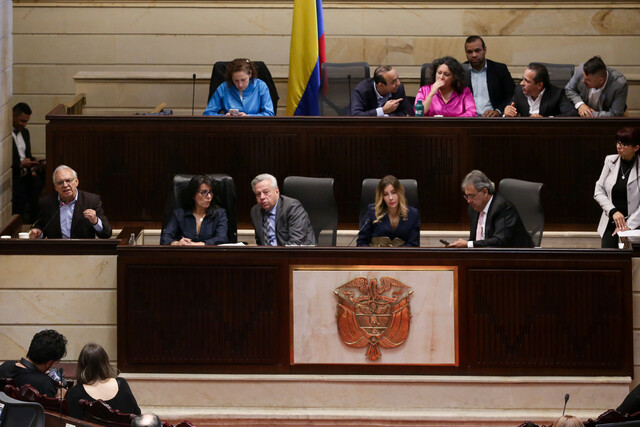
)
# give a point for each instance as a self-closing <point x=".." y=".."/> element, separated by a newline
<point x="71" y="213"/>
<point x="278" y="220"/>
<point x="146" y="420"/>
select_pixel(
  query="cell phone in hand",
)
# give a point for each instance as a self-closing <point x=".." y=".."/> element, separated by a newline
<point x="444" y="242"/>
<point x="234" y="112"/>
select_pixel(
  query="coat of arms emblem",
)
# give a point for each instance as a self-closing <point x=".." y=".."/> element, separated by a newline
<point x="372" y="314"/>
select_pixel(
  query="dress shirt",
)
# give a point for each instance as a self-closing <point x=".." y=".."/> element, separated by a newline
<point x="534" y="106"/>
<point x="255" y="100"/>
<point x="381" y="101"/>
<point x="484" y="221"/>
<point x="66" y="216"/>
<point x="272" y="222"/>
<point x="480" y="89"/>
<point x="20" y="144"/>
<point x="459" y="105"/>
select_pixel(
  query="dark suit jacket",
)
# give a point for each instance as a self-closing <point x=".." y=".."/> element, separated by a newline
<point x="554" y="103"/>
<point x="15" y="163"/>
<point x="292" y="223"/>
<point x="408" y="230"/>
<point x="213" y="230"/>
<point x="81" y="228"/>
<point x="503" y="228"/>
<point x="499" y="82"/>
<point x="364" y="101"/>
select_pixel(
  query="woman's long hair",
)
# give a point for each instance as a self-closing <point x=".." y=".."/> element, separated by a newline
<point x="93" y="365"/>
<point x="240" y="64"/>
<point x="188" y="197"/>
<point x="459" y="80"/>
<point x="381" y="207"/>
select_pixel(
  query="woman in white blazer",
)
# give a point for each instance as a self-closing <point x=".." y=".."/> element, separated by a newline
<point x="618" y="189"/>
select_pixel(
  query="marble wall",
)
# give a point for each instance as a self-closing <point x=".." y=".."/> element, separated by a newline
<point x="6" y="92"/>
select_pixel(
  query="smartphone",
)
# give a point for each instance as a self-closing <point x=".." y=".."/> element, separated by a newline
<point x="234" y="112"/>
<point x="444" y="242"/>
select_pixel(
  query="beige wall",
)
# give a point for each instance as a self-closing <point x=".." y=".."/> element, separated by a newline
<point x="6" y="91"/>
<point x="54" y="41"/>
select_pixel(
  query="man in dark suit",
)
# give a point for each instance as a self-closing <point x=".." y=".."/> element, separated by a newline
<point x="490" y="82"/>
<point x="71" y="213"/>
<point x="26" y="169"/>
<point x="597" y="90"/>
<point x="537" y="97"/>
<point x="382" y="96"/>
<point x="278" y="220"/>
<point x="493" y="221"/>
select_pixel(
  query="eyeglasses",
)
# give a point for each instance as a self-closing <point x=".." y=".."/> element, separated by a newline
<point x="205" y="193"/>
<point x="468" y="197"/>
<point x="64" y="181"/>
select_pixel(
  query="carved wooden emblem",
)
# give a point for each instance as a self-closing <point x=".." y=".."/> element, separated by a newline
<point x="372" y="314"/>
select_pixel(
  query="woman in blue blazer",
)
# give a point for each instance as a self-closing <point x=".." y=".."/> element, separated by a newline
<point x="390" y="222"/>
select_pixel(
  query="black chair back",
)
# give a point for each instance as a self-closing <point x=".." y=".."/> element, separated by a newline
<point x="224" y="196"/>
<point x="368" y="194"/>
<point x="220" y="68"/>
<point x="316" y="196"/>
<point x="525" y="197"/>
<point x="560" y="74"/>
<point x="16" y="413"/>
<point x="425" y="74"/>
<point x="337" y="82"/>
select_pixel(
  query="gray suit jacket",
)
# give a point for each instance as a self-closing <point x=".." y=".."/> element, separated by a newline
<point x="292" y="223"/>
<point x="613" y="97"/>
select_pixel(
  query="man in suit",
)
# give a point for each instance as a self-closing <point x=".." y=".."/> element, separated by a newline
<point x="382" y="96"/>
<point x="493" y="221"/>
<point x="537" y="97"/>
<point x="597" y="90"/>
<point x="278" y="220"/>
<point x="26" y="169"/>
<point x="71" y="213"/>
<point x="490" y="82"/>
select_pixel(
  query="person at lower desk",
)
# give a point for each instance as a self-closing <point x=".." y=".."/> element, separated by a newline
<point x="618" y="188"/>
<point x="242" y="94"/>
<point x="97" y="379"/>
<point x="197" y="222"/>
<point x="390" y="222"/>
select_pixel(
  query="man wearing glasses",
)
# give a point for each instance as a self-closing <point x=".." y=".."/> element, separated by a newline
<point x="493" y="221"/>
<point x="71" y="213"/>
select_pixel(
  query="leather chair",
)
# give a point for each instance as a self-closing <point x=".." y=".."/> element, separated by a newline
<point x="316" y="196"/>
<point x="560" y="74"/>
<point x="337" y="81"/>
<point x="99" y="412"/>
<point x="368" y="194"/>
<point x="16" y="413"/>
<point x="27" y="393"/>
<point x="220" y="68"/>
<point x="425" y="74"/>
<point x="525" y="196"/>
<point x="224" y="195"/>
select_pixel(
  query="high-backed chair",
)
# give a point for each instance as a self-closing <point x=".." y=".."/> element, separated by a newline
<point x="337" y="81"/>
<point x="560" y="74"/>
<point x="316" y="196"/>
<point x="224" y="195"/>
<point x="525" y="196"/>
<point x="425" y="74"/>
<point x="99" y="412"/>
<point x="368" y="194"/>
<point x="16" y="413"/>
<point x="27" y="393"/>
<point x="220" y="68"/>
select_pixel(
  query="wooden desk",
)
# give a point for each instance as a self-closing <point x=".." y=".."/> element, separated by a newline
<point x="130" y="160"/>
<point x="226" y="310"/>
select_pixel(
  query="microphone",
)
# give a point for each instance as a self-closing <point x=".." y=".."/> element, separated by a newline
<point x="193" y="93"/>
<point x="56" y="213"/>
<point x="354" y="237"/>
<point x="566" y="399"/>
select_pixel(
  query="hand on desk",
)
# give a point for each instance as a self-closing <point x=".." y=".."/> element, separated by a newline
<point x="460" y="243"/>
<point x="35" y="233"/>
<point x="185" y="241"/>
<point x="585" y="111"/>
<point x="621" y="223"/>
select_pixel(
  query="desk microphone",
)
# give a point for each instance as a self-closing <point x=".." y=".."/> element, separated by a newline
<point x="566" y="399"/>
<point x="193" y="93"/>
<point x="57" y="212"/>
<point x="354" y="237"/>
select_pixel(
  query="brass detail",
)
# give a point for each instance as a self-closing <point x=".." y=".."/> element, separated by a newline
<point x="373" y="315"/>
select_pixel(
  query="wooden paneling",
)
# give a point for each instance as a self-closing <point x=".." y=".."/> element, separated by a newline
<point x="130" y="160"/>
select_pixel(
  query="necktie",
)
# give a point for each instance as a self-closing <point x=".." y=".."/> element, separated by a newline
<point x="266" y="228"/>
<point x="479" y="233"/>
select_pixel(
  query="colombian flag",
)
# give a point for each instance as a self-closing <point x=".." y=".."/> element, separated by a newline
<point x="305" y="56"/>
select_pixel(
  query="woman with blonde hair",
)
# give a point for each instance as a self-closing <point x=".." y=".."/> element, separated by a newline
<point x="568" y="421"/>
<point x="96" y="379"/>
<point x="390" y="221"/>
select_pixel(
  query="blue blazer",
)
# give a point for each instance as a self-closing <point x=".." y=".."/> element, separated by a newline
<point x="408" y="230"/>
<point x="213" y="230"/>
